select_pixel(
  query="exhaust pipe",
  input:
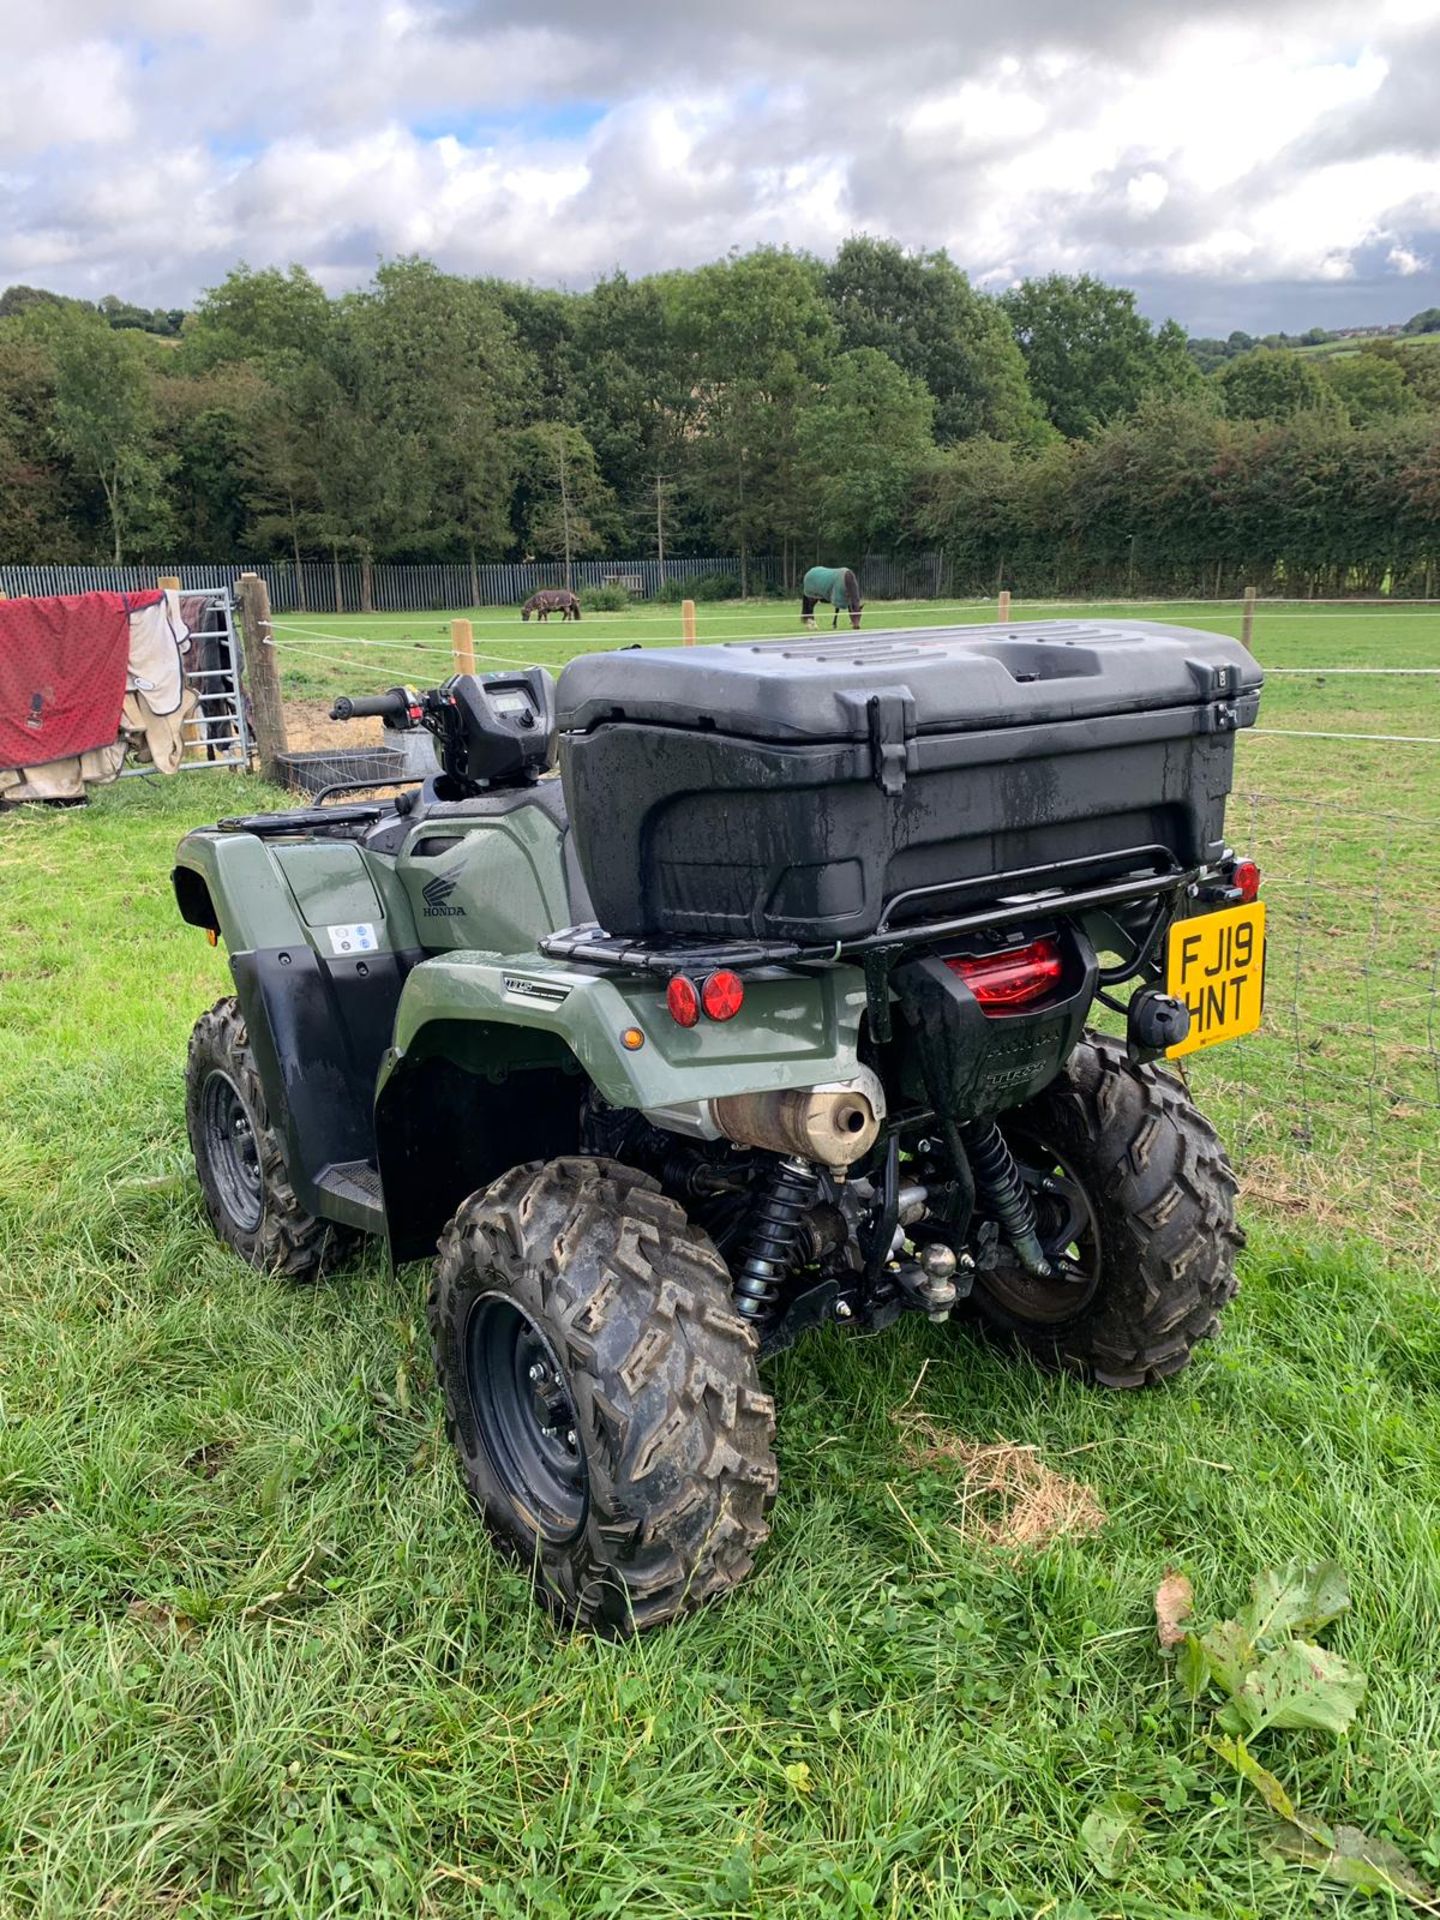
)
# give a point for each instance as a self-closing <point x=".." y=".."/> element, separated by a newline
<point x="835" y="1125"/>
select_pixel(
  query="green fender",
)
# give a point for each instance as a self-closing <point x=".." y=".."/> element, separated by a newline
<point x="793" y="1031"/>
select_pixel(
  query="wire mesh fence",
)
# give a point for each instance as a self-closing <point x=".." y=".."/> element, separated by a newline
<point x="1333" y="1108"/>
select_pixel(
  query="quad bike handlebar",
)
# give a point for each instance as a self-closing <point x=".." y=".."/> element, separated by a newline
<point x="495" y="729"/>
<point x="394" y="705"/>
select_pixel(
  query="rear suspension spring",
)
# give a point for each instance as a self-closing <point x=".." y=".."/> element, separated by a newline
<point x="998" y="1179"/>
<point x="776" y="1238"/>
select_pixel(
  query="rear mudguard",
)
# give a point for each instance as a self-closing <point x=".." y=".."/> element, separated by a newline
<point x="491" y="1059"/>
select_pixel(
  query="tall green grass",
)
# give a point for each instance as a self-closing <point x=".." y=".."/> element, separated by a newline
<point x="256" y="1657"/>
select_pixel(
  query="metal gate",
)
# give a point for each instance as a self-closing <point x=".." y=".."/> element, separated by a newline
<point x="219" y="735"/>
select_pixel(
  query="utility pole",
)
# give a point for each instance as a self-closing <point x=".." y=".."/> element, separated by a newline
<point x="660" y="526"/>
<point x="262" y="668"/>
<point x="565" y="507"/>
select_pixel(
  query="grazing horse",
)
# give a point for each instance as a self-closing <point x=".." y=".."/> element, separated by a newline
<point x="839" y="586"/>
<point x="551" y="600"/>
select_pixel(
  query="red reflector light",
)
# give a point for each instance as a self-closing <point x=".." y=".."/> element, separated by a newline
<point x="683" y="1001"/>
<point x="1246" y="880"/>
<point x="722" y="995"/>
<point x="1014" y="978"/>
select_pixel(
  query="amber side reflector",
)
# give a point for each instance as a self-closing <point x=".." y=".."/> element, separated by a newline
<point x="632" y="1039"/>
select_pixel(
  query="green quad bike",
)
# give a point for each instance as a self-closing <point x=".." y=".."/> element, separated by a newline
<point x="770" y="1012"/>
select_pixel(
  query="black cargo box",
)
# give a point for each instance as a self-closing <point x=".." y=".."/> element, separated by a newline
<point x="795" y="790"/>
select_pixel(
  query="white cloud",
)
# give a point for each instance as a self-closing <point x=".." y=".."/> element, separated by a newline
<point x="147" y="144"/>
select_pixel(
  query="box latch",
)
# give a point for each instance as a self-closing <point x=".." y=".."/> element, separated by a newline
<point x="887" y="714"/>
<point x="1219" y="684"/>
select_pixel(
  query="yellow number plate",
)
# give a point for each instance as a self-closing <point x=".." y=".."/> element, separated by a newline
<point x="1215" y="963"/>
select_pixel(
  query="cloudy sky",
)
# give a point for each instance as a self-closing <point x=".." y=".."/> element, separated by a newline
<point x="1274" y="163"/>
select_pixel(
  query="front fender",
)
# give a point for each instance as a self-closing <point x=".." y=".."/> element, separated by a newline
<point x="793" y="1031"/>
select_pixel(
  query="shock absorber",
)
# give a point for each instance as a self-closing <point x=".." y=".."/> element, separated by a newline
<point x="998" y="1179"/>
<point x="775" y="1238"/>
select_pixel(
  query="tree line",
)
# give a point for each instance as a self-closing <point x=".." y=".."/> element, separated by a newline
<point x="768" y="403"/>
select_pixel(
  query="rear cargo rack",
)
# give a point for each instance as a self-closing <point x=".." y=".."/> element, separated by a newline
<point x="1013" y="896"/>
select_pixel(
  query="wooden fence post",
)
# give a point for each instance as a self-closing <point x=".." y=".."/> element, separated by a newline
<point x="687" y="622"/>
<point x="462" y="646"/>
<point x="1247" y="620"/>
<point x="263" y="670"/>
<point x="1004" y="606"/>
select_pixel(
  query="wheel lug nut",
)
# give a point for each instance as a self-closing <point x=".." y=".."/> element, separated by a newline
<point x="537" y="1372"/>
<point x="570" y="1437"/>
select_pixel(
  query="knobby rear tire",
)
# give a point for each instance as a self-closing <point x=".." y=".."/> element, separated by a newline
<point x="1164" y="1197"/>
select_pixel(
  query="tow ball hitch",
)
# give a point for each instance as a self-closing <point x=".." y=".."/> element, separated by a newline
<point x="1154" y="1023"/>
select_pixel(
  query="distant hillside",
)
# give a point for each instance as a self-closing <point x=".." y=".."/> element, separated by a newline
<point x="1420" y="327"/>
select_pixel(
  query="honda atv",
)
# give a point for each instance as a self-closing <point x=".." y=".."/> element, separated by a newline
<point x="770" y="1012"/>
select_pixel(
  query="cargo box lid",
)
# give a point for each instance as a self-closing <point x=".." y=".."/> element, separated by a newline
<point x="818" y="687"/>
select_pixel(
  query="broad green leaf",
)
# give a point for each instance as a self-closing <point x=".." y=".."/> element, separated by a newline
<point x="1353" y="1859"/>
<point x="1111" y="1833"/>
<point x="1264" y="1782"/>
<point x="1295" y="1599"/>
<point x="1302" y="1685"/>
<point x="1229" y="1654"/>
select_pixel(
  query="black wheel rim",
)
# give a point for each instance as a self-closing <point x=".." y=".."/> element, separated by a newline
<point x="233" y="1151"/>
<point x="1069" y="1234"/>
<point x="526" y="1417"/>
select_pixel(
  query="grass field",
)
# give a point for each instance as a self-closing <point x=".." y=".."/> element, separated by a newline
<point x="257" y="1659"/>
<point x="1360" y="342"/>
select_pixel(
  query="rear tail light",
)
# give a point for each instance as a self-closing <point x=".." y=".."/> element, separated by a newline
<point x="1246" y="881"/>
<point x="1018" y="977"/>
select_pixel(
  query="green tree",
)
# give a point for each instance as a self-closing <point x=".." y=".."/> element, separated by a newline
<point x="921" y="310"/>
<point x="104" y="420"/>
<point x="206" y="423"/>
<point x="1144" y="490"/>
<point x="280" y="463"/>
<point x="1000" y="515"/>
<point x="1427" y="321"/>
<point x="1371" y="387"/>
<point x="261" y="316"/>
<point x="544" y="325"/>
<point x="633" y="398"/>
<point x="436" y="363"/>
<point x="1090" y="356"/>
<point x="1274" y="385"/>
<point x="565" y="508"/>
<point x="755" y="339"/>
<point x="41" y="511"/>
<point x="861" y="445"/>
